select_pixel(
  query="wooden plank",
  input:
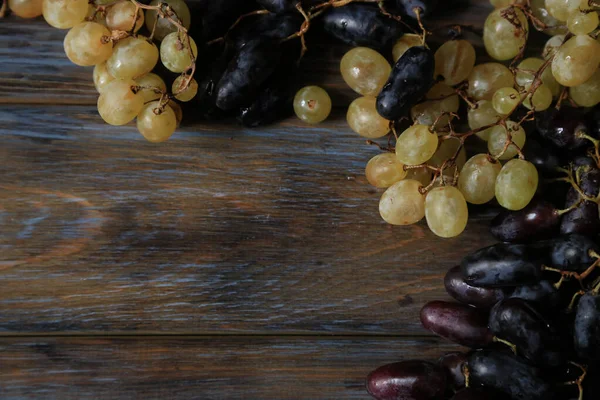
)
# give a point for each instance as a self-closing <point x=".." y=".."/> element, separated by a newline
<point x="221" y="229"/>
<point x="35" y="69"/>
<point x="199" y="368"/>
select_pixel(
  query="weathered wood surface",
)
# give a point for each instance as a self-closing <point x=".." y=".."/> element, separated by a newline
<point x="248" y="368"/>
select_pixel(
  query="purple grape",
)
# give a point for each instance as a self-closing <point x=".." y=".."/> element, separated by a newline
<point x="587" y="327"/>
<point x="453" y="364"/>
<point x="538" y="220"/>
<point x="407" y="380"/>
<point x="460" y="290"/>
<point x="583" y="219"/>
<point x="560" y="127"/>
<point x="543" y="294"/>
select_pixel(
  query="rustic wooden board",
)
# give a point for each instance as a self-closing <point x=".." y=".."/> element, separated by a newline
<point x="260" y="368"/>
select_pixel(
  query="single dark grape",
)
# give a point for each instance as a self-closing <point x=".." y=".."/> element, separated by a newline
<point x="278" y="6"/>
<point x="453" y="364"/>
<point x="361" y="25"/>
<point x="543" y="294"/>
<point x="457" y="322"/>
<point x="587" y="327"/>
<point x="460" y="290"/>
<point x="507" y="373"/>
<point x="478" y="394"/>
<point x="583" y="219"/>
<point x="426" y="7"/>
<point x="538" y="220"/>
<point x="267" y="27"/>
<point x="544" y="158"/>
<point x="568" y="252"/>
<point x="501" y="265"/>
<point x="560" y="127"/>
<point x="408" y="380"/>
<point x="411" y="78"/>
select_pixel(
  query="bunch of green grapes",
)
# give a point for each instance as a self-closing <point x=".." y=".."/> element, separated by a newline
<point x="105" y="34"/>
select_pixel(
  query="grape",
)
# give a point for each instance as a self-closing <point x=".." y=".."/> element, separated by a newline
<point x="64" y="14"/>
<point x="587" y="94"/>
<point x="505" y="100"/>
<point x="560" y="127"/>
<point x="84" y="44"/>
<point x="446" y="150"/>
<point x="554" y="26"/>
<point x="454" y="61"/>
<point x="583" y="219"/>
<point x="421" y="175"/>
<point x="155" y="125"/>
<point x="516" y="184"/>
<point x="163" y="25"/>
<point x="486" y="78"/>
<point x="102" y="77"/>
<point x="312" y="104"/>
<point x="543" y="157"/>
<point x="416" y="145"/>
<point x="363" y="118"/>
<point x="26" y="8"/>
<point x="456" y="322"/>
<point x="482" y="115"/>
<point x="570" y="252"/>
<point x="95" y="16"/>
<point x="365" y="70"/>
<point x="499" y="136"/>
<point x="384" y="170"/>
<point x="562" y="9"/>
<point x="587" y="326"/>
<point x="189" y="93"/>
<point x="132" y="57"/>
<point x="121" y="15"/>
<point x="526" y="71"/>
<point x="580" y="23"/>
<point x="430" y="112"/>
<point x="411" y="379"/>
<point x="540" y="100"/>
<point x="477" y="180"/>
<point x="535" y="337"/>
<point x="425" y="7"/>
<point x="460" y="290"/>
<point x="149" y="83"/>
<point x="552" y="45"/>
<point x="405" y="42"/>
<point x="576" y="61"/>
<point x="501" y="38"/>
<point x="177" y="110"/>
<point x="118" y="103"/>
<point x="543" y="294"/>
<point x="402" y="203"/>
<point x="446" y="211"/>
<point x="453" y="364"/>
<point x="175" y="52"/>
<point x="538" y="220"/>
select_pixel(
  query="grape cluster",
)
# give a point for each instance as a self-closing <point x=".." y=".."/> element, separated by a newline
<point x="530" y="314"/>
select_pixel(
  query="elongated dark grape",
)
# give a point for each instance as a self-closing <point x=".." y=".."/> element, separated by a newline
<point x="425" y="7"/>
<point x="518" y="322"/>
<point x="544" y="158"/>
<point x="538" y="220"/>
<point x="269" y="26"/>
<point x="569" y="252"/>
<point x="560" y="127"/>
<point x="453" y="364"/>
<point x="583" y="219"/>
<point x="361" y="25"/>
<point x="278" y="6"/>
<point x="587" y="327"/>
<point x="251" y="66"/>
<point x="501" y="265"/>
<point x="457" y="322"/>
<point x="407" y="380"/>
<point x="411" y="78"/>
<point x="460" y="290"/>
<point x="477" y="394"/>
<point x="543" y="294"/>
<point x="508" y="374"/>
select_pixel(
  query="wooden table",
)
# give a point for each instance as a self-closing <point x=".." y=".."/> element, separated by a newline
<point x="228" y="263"/>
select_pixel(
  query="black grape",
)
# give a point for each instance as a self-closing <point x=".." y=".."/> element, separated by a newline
<point x="460" y="290"/>
<point x="569" y="252"/>
<point x="560" y="127"/>
<point x="218" y="16"/>
<point x="587" y="327"/>
<point x="269" y="26"/>
<point x="544" y="158"/>
<point x="538" y="220"/>
<point x="426" y="7"/>
<point x="543" y="294"/>
<point x="583" y="219"/>
<point x="361" y="25"/>
<point x="453" y="364"/>
<point x="410" y="380"/>
<point x="410" y="79"/>
<point x="278" y="6"/>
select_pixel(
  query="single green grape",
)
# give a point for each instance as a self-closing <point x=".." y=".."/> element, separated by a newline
<point x="516" y="184"/>
<point x="422" y="175"/>
<point x="499" y="136"/>
<point x="120" y="17"/>
<point x="416" y="145"/>
<point x="163" y="25"/>
<point x="101" y="77"/>
<point x="151" y="86"/>
<point x="503" y="40"/>
<point x="483" y="114"/>
<point x="364" y="119"/>
<point x="486" y="78"/>
<point x="539" y="11"/>
<point x="132" y="57"/>
<point x="176" y="52"/>
<point x="312" y="104"/>
<point x="26" y="8"/>
<point x="402" y="203"/>
<point x="540" y="100"/>
<point x="477" y="180"/>
<point x="505" y="100"/>
<point x="576" y="60"/>
<point x="189" y="93"/>
<point x="405" y="42"/>
<point x="384" y="170"/>
<point x="64" y="14"/>
<point x="446" y="211"/>
<point x="365" y="70"/>
<point x="588" y="93"/>
<point x="156" y="125"/>
<point x="582" y="23"/>
<point x="454" y="61"/>
<point x="119" y="103"/>
<point x="527" y="70"/>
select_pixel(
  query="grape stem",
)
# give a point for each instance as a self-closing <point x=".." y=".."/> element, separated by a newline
<point x="510" y="345"/>
<point x="574" y="300"/>
<point x="579" y="380"/>
<point x="465" y="371"/>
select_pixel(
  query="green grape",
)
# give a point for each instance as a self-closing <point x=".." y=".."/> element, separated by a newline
<point x="540" y="100"/>
<point x="189" y="93"/>
<point x="552" y="45"/>
<point x="132" y="57"/>
<point x="155" y="125"/>
<point x="576" y="60"/>
<point x="454" y="61"/>
<point x="26" y="8"/>
<point x="502" y="39"/>
<point x="422" y="175"/>
<point x="428" y="112"/>
<point x="402" y="203"/>
<point x="121" y="15"/>
<point x="312" y="104"/>
<point x="446" y="150"/>
<point x="152" y="86"/>
<point x="384" y="170"/>
<point x="177" y="110"/>
<point x="405" y="42"/>
<point x="526" y="71"/>
<point x="561" y="9"/>
<point x="499" y="136"/>
<point x="477" y="180"/>
<point x="365" y="70"/>
<point x="446" y="211"/>
<point x="101" y="77"/>
<point x="163" y="25"/>
<point x="482" y="115"/>
<point x="486" y="78"/>
<point x="588" y="93"/>
<point x="516" y="184"/>
<point x="416" y="145"/>
<point x="64" y="14"/>
<point x="364" y="119"/>
<point x="440" y="91"/>
<point x="119" y="103"/>
<point x="539" y="11"/>
<point x="581" y="23"/>
<point x="84" y="44"/>
<point x="94" y="16"/>
<point x="505" y="100"/>
<point x="175" y="52"/>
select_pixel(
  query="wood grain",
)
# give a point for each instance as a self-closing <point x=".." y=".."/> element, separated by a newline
<point x="260" y="368"/>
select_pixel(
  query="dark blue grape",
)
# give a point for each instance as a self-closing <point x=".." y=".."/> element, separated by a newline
<point x="453" y="364"/>
<point x="587" y="327"/>
<point x="269" y="26"/>
<point x="568" y="252"/>
<point x="583" y="219"/>
<point x="545" y="159"/>
<point x="460" y="290"/>
<point x="426" y="7"/>
<point x="543" y="294"/>
<point x="278" y="6"/>
<point x="560" y="127"/>
<point x="538" y="220"/>
<point x="407" y="380"/>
